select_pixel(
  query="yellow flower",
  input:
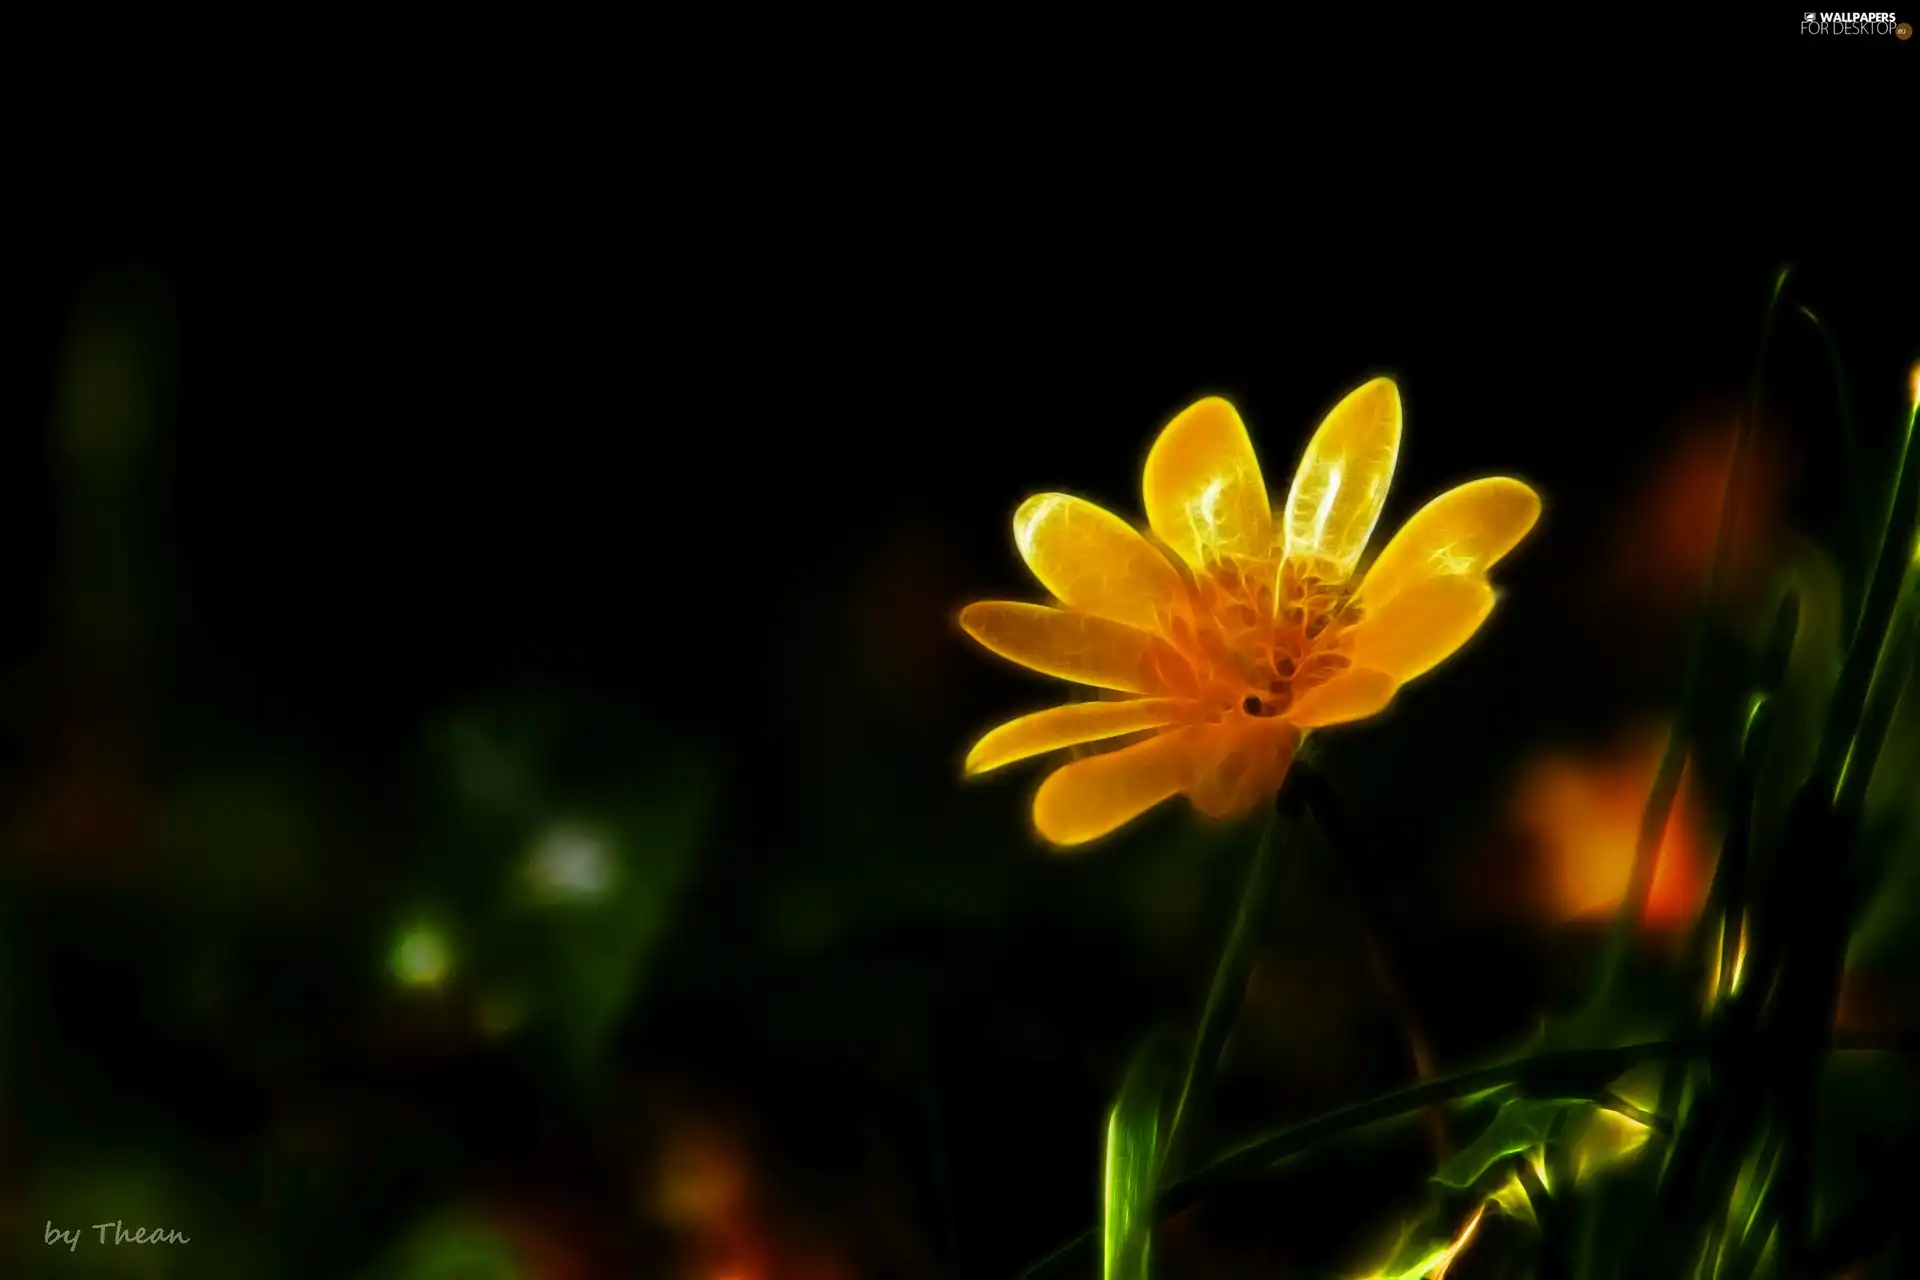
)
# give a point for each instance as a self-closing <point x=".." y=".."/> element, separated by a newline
<point x="1237" y="627"/>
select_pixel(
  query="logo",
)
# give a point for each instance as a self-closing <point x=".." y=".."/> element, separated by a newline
<point x="1854" y="24"/>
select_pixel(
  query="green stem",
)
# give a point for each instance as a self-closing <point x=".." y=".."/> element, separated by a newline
<point x="1856" y="483"/>
<point x="1576" y="1076"/>
<point x="1666" y="783"/>
<point x="1876" y="615"/>
<point x="1356" y="869"/>
<point x="1883" y="698"/>
<point x="1228" y="987"/>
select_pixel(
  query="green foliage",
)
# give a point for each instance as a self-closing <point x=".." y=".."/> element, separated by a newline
<point x="452" y="1248"/>
<point x="1758" y="1132"/>
<point x="1229" y="985"/>
<point x="1132" y="1165"/>
<point x="1521" y="1125"/>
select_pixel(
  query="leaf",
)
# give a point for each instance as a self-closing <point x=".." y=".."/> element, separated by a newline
<point x="1520" y="1125"/>
<point x="1133" y="1163"/>
<point x="1425" y="1250"/>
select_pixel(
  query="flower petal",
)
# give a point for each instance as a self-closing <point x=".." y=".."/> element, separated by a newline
<point x="1240" y="765"/>
<point x="1203" y="488"/>
<point x="1072" y="646"/>
<point x="1343" y="477"/>
<point x="1422" y="625"/>
<point x="1087" y="799"/>
<point x="1464" y="531"/>
<point x="1092" y="560"/>
<point x="1069" y="726"/>
<point x="1354" y="694"/>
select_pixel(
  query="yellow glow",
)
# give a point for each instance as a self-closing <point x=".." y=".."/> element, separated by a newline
<point x="1239" y="628"/>
<point x="1609" y="1138"/>
<point x="1422" y="626"/>
<point x="1353" y="695"/>
<point x="1462" y="533"/>
<point x="1512" y="1198"/>
<point x="1093" y="561"/>
<point x="1434" y="1265"/>
<point x="1466" y="1234"/>
<point x="1538" y="1159"/>
<point x="1718" y="949"/>
<point x="1071" y="725"/>
<point x="1739" y="960"/>
<point x="1342" y="480"/>
<point x="1086" y="799"/>
<point x="1913" y="384"/>
<point x="1070" y="646"/>
<point x="1202" y="486"/>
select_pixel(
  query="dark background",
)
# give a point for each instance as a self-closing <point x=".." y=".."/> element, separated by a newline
<point x="465" y="506"/>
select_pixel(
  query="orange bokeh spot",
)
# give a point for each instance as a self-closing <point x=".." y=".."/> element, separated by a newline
<point x="1672" y="525"/>
<point x="1582" y="820"/>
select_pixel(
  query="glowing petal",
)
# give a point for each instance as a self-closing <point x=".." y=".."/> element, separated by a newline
<point x="1463" y="532"/>
<point x="1342" y="481"/>
<point x="1092" y="560"/>
<point x="1203" y="488"/>
<point x="1351" y="695"/>
<point x="1240" y="765"/>
<point x="1069" y="726"/>
<point x="1072" y="646"/>
<point x="1422" y="625"/>
<point x="1087" y="799"/>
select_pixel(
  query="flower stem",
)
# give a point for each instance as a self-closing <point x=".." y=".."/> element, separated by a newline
<point x="1357" y="871"/>
<point x="1229" y="985"/>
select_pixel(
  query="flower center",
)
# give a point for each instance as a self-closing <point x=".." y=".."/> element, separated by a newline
<point x="1248" y="654"/>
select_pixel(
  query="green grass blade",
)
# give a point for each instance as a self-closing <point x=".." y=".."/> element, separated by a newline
<point x="1133" y="1165"/>
<point x="1520" y="1125"/>
<point x="1580" y="1075"/>
<point x="1890" y="565"/>
<point x="1666" y="784"/>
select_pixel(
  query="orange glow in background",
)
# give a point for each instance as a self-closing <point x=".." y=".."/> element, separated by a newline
<point x="705" y="1190"/>
<point x="1580" y="817"/>
<point x="1671" y="525"/>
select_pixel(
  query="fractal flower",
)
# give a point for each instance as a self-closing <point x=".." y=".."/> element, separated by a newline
<point x="1217" y="641"/>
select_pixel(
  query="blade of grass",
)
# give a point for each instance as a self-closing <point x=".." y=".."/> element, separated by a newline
<point x="1666" y="783"/>
<point x="1892" y="671"/>
<point x="1825" y="884"/>
<point x="1132" y="1165"/>
<point x="1855" y="478"/>
<point x="1581" y="1074"/>
<point x="1890" y="564"/>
